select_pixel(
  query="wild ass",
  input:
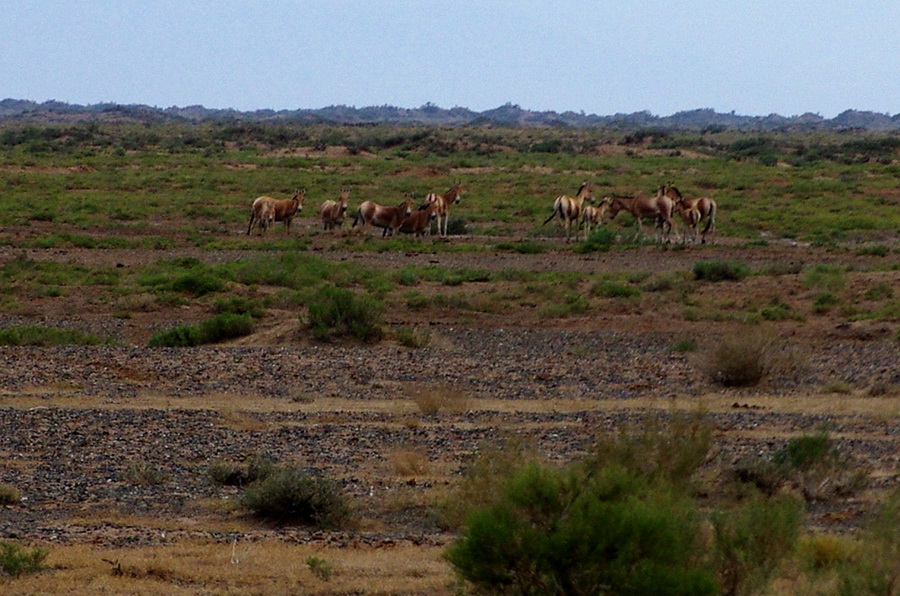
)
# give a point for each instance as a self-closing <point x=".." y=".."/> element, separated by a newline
<point x="568" y="209"/>
<point x="419" y="221"/>
<point x="693" y="211"/>
<point x="592" y="215"/>
<point x="266" y="210"/>
<point x="660" y="208"/>
<point x="442" y="206"/>
<point x="333" y="211"/>
<point x="383" y="216"/>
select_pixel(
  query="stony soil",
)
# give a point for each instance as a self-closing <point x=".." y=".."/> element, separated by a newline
<point x="76" y="423"/>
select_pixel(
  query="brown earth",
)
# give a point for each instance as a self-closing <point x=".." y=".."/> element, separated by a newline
<point x="78" y="423"/>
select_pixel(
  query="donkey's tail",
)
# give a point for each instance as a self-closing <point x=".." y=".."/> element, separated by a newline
<point x="711" y="220"/>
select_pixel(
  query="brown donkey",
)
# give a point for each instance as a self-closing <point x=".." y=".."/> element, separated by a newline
<point x="693" y="211"/>
<point x="442" y="206"/>
<point x="266" y="210"/>
<point x="660" y="208"/>
<point x="333" y="211"/>
<point x="383" y="216"/>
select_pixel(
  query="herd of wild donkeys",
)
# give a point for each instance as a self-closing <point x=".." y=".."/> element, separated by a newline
<point x="573" y="212"/>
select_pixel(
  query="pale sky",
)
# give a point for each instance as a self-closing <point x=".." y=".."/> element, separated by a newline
<point x="754" y="57"/>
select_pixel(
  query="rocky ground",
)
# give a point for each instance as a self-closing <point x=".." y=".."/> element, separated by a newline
<point x="78" y="425"/>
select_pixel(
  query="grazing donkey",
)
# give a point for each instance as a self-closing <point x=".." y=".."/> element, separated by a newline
<point x="442" y="206"/>
<point x="568" y="209"/>
<point x="333" y="211"/>
<point x="659" y="207"/>
<point x="383" y="216"/>
<point x="266" y="210"/>
<point x="419" y="221"/>
<point x="693" y="211"/>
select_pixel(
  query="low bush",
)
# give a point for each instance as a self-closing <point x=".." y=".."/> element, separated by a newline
<point x="741" y="359"/>
<point x="229" y="473"/>
<point x="16" y="560"/>
<point x="413" y="337"/>
<point x="143" y="474"/>
<point x="610" y="289"/>
<point x="221" y="327"/>
<point x="291" y="496"/>
<point x="239" y="305"/>
<point x="38" y="335"/>
<point x="828" y="278"/>
<point x="9" y="495"/>
<point x="668" y="451"/>
<point x="337" y="312"/>
<point x="600" y="240"/>
<point x="824" y="302"/>
<point x="719" y="270"/>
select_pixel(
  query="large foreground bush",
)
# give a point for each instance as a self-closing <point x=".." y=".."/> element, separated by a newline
<point x="561" y="532"/>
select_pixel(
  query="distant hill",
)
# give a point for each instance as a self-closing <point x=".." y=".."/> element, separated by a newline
<point x="506" y="115"/>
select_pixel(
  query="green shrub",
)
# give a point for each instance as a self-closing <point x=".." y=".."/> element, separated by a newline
<point x="824" y="302"/>
<point x="719" y="270"/>
<point x="561" y="532"/>
<point x="38" y="335"/>
<point x="336" y="312"/>
<point x="806" y="451"/>
<point x="319" y="567"/>
<point x="877" y="250"/>
<point x="610" y="289"/>
<point x="522" y="247"/>
<point x="600" y="240"/>
<point x="288" y="495"/>
<point x="221" y="327"/>
<point x="239" y="305"/>
<point x="829" y="278"/>
<point x="687" y="344"/>
<point x="751" y="542"/>
<point x="880" y="291"/>
<point x="16" y="560"/>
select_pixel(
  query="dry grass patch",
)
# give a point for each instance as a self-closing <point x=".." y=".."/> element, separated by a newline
<point x="409" y="463"/>
<point x="252" y="568"/>
<point x="434" y="398"/>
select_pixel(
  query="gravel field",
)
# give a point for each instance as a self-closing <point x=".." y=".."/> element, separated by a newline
<point x="74" y="421"/>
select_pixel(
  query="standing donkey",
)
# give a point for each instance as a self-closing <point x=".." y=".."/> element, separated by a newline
<point x="442" y="206"/>
<point x="333" y="211"/>
<point x="660" y="208"/>
<point x="568" y="209"/>
<point x="693" y="211"/>
<point x="266" y="210"/>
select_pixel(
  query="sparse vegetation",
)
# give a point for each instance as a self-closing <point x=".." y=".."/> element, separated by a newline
<point x="9" y="495"/>
<point x="16" y="560"/>
<point x="337" y="312"/>
<point x="607" y="313"/>
<point x="38" y="335"/>
<point x="719" y="270"/>
<point x="219" y="328"/>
